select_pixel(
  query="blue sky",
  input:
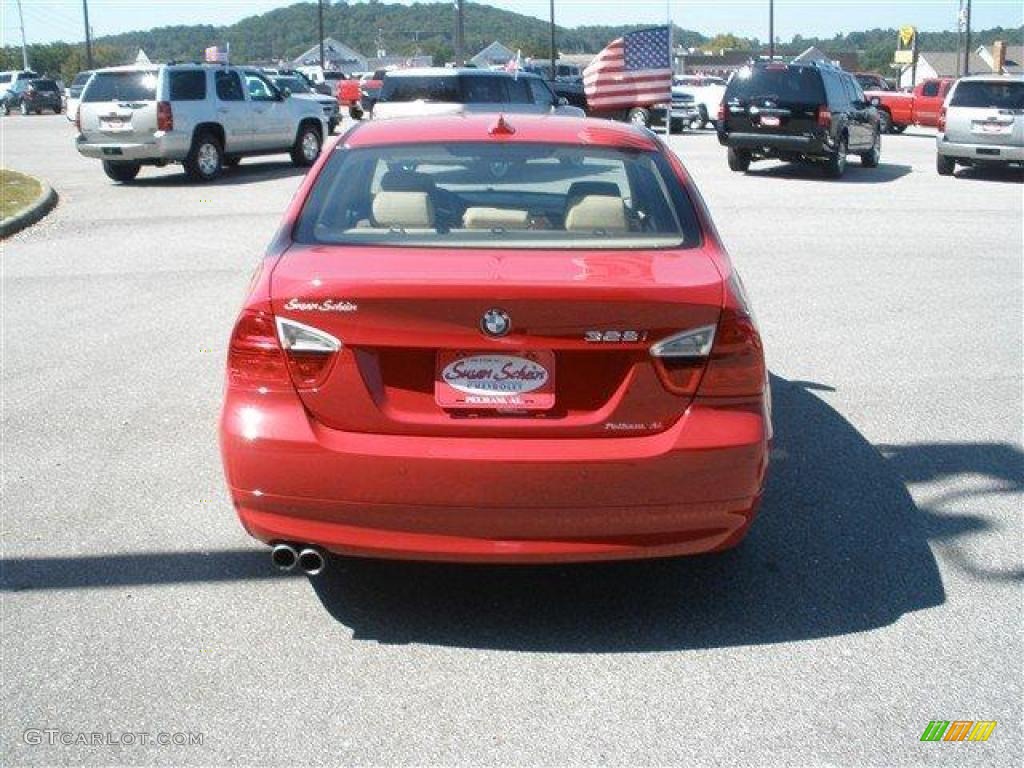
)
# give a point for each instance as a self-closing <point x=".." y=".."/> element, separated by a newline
<point x="47" y="20"/>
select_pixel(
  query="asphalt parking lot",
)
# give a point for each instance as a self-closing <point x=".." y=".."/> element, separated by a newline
<point x="880" y="589"/>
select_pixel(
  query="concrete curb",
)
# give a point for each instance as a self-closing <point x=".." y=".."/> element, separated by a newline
<point x="43" y="205"/>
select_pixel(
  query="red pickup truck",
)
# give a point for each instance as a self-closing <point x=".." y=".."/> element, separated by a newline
<point x="897" y="110"/>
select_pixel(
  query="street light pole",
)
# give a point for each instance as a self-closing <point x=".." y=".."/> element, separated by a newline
<point x="88" y="35"/>
<point x="967" y="42"/>
<point x="24" y="46"/>
<point x="320" y="13"/>
<point x="554" y="48"/>
<point x="459" y="32"/>
<point x="771" y="29"/>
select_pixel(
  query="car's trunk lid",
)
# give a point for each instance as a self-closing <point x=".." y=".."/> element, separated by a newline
<point x="406" y="315"/>
<point x="120" y="107"/>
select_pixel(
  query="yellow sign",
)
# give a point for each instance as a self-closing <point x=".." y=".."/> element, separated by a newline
<point x="905" y="56"/>
<point x="907" y="35"/>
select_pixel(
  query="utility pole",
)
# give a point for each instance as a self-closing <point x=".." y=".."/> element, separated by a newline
<point x="88" y="35"/>
<point x="459" y="34"/>
<point x="771" y="29"/>
<point x="554" y="48"/>
<point x="320" y="13"/>
<point x="967" y="41"/>
<point x="24" y="46"/>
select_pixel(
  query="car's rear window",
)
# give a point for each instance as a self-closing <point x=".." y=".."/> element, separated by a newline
<point x="5" y="78"/>
<point x="785" y="84"/>
<point x="45" y="85"/>
<point x="188" y="85"/>
<point x="444" y="88"/>
<point x="121" y="86"/>
<point x="481" y="195"/>
<point x="995" y="95"/>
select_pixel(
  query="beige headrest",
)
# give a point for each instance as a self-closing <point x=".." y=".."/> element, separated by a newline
<point x="403" y="210"/>
<point x="596" y="213"/>
<point x="495" y="218"/>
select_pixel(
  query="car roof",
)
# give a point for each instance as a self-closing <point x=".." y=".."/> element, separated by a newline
<point x="449" y="71"/>
<point x="992" y="78"/>
<point x="536" y="129"/>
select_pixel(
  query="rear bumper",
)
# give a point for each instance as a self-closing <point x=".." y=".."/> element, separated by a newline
<point x="802" y="144"/>
<point x="988" y="153"/>
<point x="693" y="488"/>
<point x="165" y="146"/>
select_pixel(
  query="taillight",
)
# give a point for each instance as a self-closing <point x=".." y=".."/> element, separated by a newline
<point x="679" y="359"/>
<point x="310" y="352"/>
<point x="255" y="358"/>
<point x="721" y="112"/>
<point x="942" y="120"/>
<point x="78" y="119"/>
<point x="736" y="364"/>
<point x="164" y="116"/>
<point x="824" y="116"/>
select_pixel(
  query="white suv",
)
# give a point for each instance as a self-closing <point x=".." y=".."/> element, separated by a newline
<point x="981" y="123"/>
<point x="203" y="116"/>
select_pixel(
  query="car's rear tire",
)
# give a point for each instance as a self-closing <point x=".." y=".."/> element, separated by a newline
<point x="24" y="109"/>
<point x="701" y="121"/>
<point x="355" y="113"/>
<point x="870" y="159"/>
<point x="6" y="108"/>
<point x="898" y="128"/>
<point x="835" y="166"/>
<point x="739" y="159"/>
<point x="308" y="143"/>
<point x="639" y="116"/>
<point x="884" y="122"/>
<point x="122" y="172"/>
<point x="205" y="161"/>
<point x="946" y="166"/>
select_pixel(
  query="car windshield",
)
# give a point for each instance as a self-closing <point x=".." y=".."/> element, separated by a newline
<point x="293" y="84"/>
<point x="989" y="94"/>
<point x="481" y="195"/>
<point x="44" y="85"/>
<point x="425" y="88"/>
<point x="787" y="84"/>
<point x="121" y="86"/>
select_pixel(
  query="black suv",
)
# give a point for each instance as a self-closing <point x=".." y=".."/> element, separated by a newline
<point x="798" y="112"/>
<point x="33" y="96"/>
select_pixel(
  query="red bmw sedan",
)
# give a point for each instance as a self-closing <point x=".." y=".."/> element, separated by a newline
<point x="505" y="339"/>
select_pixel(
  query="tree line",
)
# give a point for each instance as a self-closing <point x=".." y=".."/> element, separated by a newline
<point x="428" y="28"/>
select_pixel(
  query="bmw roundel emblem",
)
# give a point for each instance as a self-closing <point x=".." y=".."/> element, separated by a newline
<point x="495" y="322"/>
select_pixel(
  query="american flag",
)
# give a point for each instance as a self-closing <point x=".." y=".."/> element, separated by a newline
<point x="633" y="71"/>
<point x="216" y="55"/>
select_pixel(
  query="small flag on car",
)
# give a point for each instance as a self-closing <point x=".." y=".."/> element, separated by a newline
<point x="216" y="55"/>
<point x="634" y="70"/>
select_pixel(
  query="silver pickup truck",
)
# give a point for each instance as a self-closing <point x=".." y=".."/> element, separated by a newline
<point x="204" y="116"/>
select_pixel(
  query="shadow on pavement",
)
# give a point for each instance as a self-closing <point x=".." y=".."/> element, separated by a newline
<point x="839" y="547"/>
<point x="855" y="174"/>
<point x="250" y="171"/>
<point x="1003" y="173"/>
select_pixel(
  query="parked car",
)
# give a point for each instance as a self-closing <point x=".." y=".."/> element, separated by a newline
<point x="683" y="109"/>
<point x="202" y="116"/>
<point x="981" y="123"/>
<point x="461" y="348"/>
<point x="897" y="110"/>
<point x="32" y="97"/>
<point x="440" y="91"/>
<point x="74" y="93"/>
<point x="707" y="93"/>
<point x="12" y="76"/>
<point x="797" y="112"/>
<point x="298" y="87"/>
<point x="870" y="81"/>
<point x="321" y="81"/>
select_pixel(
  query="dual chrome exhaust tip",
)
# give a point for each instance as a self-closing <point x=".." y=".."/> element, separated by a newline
<point x="310" y="560"/>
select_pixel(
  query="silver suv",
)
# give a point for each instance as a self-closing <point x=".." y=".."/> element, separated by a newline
<point x="202" y="116"/>
<point x="982" y="122"/>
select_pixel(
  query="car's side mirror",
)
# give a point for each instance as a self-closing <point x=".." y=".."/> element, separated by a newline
<point x="284" y="93"/>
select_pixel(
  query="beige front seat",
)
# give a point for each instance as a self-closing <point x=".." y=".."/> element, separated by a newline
<point x="403" y="210"/>
<point x="596" y="213"/>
